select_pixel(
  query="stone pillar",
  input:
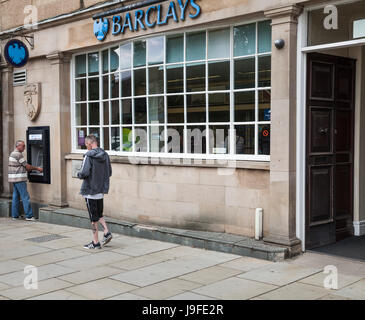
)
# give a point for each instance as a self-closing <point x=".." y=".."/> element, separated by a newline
<point x="280" y="221"/>
<point x="7" y="132"/>
<point x="60" y="134"/>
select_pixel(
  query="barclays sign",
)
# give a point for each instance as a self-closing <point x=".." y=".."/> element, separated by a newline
<point x="141" y="19"/>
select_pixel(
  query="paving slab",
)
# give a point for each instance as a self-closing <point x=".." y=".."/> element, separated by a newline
<point x="355" y="291"/>
<point x="143" y="248"/>
<point x="127" y="296"/>
<point x="296" y="291"/>
<point x="319" y="278"/>
<point x="53" y="256"/>
<point x="58" y="295"/>
<point x="187" y="296"/>
<point x="210" y="275"/>
<point x="21" y="251"/>
<point x="246" y="264"/>
<point x="3" y="286"/>
<point x="20" y="293"/>
<point x="101" y="289"/>
<point x="333" y="297"/>
<point x="11" y="266"/>
<point x="166" y="289"/>
<point x="44" y="272"/>
<point x="91" y="274"/>
<point x="234" y="289"/>
<point x="142" y="261"/>
<point x="279" y="274"/>
<point x="93" y="260"/>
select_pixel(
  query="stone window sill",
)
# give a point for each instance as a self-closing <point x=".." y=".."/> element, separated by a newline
<point x="192" y="163"/>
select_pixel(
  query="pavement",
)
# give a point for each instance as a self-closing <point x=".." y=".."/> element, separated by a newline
<point x="139" y="269"/>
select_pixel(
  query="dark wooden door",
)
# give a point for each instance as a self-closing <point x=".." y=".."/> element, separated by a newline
<point x="330" y="145"/>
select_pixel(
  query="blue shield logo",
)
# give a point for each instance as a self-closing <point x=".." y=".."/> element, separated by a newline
<point x="16" y="53"/>
<point x="101" y="28"/>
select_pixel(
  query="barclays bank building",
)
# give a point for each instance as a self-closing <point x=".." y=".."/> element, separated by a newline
<point x="222" y="116"/>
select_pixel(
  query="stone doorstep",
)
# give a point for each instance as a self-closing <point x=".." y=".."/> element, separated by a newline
<point x="213" y="241"/>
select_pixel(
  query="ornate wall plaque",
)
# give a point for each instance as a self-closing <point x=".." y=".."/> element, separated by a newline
<point x="32" y="100"/>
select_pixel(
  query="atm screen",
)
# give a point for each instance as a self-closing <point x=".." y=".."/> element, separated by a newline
<point x="37" y="159"/>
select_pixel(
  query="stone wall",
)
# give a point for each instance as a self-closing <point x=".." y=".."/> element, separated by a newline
<point x="183" y="197"/>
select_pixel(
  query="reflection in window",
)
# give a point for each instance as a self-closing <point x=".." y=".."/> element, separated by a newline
<point x="176" y="83"/>
<point x="196" y="107"/>
<point x="244" y="106"/>
<point x="175" y="109"/>
<point x="195" y="77"/>
<point x="245" y="139"/>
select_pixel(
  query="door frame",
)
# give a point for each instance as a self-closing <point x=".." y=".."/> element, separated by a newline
<point x="301" y="121"/>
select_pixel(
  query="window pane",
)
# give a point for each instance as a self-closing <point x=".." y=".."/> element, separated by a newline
<point x="80" y="136"/>
<point x="126" y="56"/>
<point x="195" y="46"/>
<point x="264" y="31"/>
<point x="219" y="107"/>
<point x="126" y="111"/>
<point x="175" y="138"/>
<point x="114" y="59"/>
<point x="157" y="142"/>
<point x="156" y="50"/>
<point x="141" y="139"/>
<point x="219" y="76"/>
<point x="265" y="71"/>
<point x="195" y="77"/>
<point x="244" y="73"/>
<point x="94" y="114"/>
<point x="140" y="111"/>
<point x="115" y="112"/>
<point x="127" y="140"/>
<point x="106" y="138"/>
<point x="114" y="84"/>
<point x="106" y="113"/>
<point x="140" y="82"/>
<point x="106" y="87"/>
<point x="197" y="107"/>
<point x="175" y="49"/>
<point x="156" y="80"/>
<point x="196" y="140"/>
<point x="105" y="61"/>
<point x="93" y="64"/>
<point x="175" y="109"/>
<point x="219" y="139"/>
<point x="80" y="66"/>
<point x="175" y="78"/>
<point x="80" y="90"/>
<point x="126" y="84"/>
<point x="93" y="89"/>
<point x="156" y="110"/>
<point x="264" y="139"/>
<point x="244" y="40"/>
<point x="139" y="53"/>
<point x="265" y="105"/>
<point x="245" y="139"/>
<point x="96" y="133"/>
<point x="115" y="139"/>
<point x="81" y="114"/>
<point x="219" y="44"/>
<point x="244" y="106"/>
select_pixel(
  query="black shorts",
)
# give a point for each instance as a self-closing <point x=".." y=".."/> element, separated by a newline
<point x="95" y="208"/>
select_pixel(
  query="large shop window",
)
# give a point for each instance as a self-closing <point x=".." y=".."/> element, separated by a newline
<point x="203" y="94"/>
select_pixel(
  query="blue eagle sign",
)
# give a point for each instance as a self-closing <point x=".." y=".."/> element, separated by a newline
<point x="16" y="53"/>
<point x="101" y="28"/>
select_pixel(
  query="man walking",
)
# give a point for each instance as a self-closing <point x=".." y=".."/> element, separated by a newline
<point x="17" y="174"/>
<point x="96" y="172"/>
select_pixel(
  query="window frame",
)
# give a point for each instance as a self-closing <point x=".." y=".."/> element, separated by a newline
<point x="231" y="59"/>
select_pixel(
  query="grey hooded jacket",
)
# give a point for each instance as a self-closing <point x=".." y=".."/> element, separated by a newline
<point x="96" y="172"/>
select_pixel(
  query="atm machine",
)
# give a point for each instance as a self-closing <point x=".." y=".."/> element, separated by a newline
<point x="38" y="153"/>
